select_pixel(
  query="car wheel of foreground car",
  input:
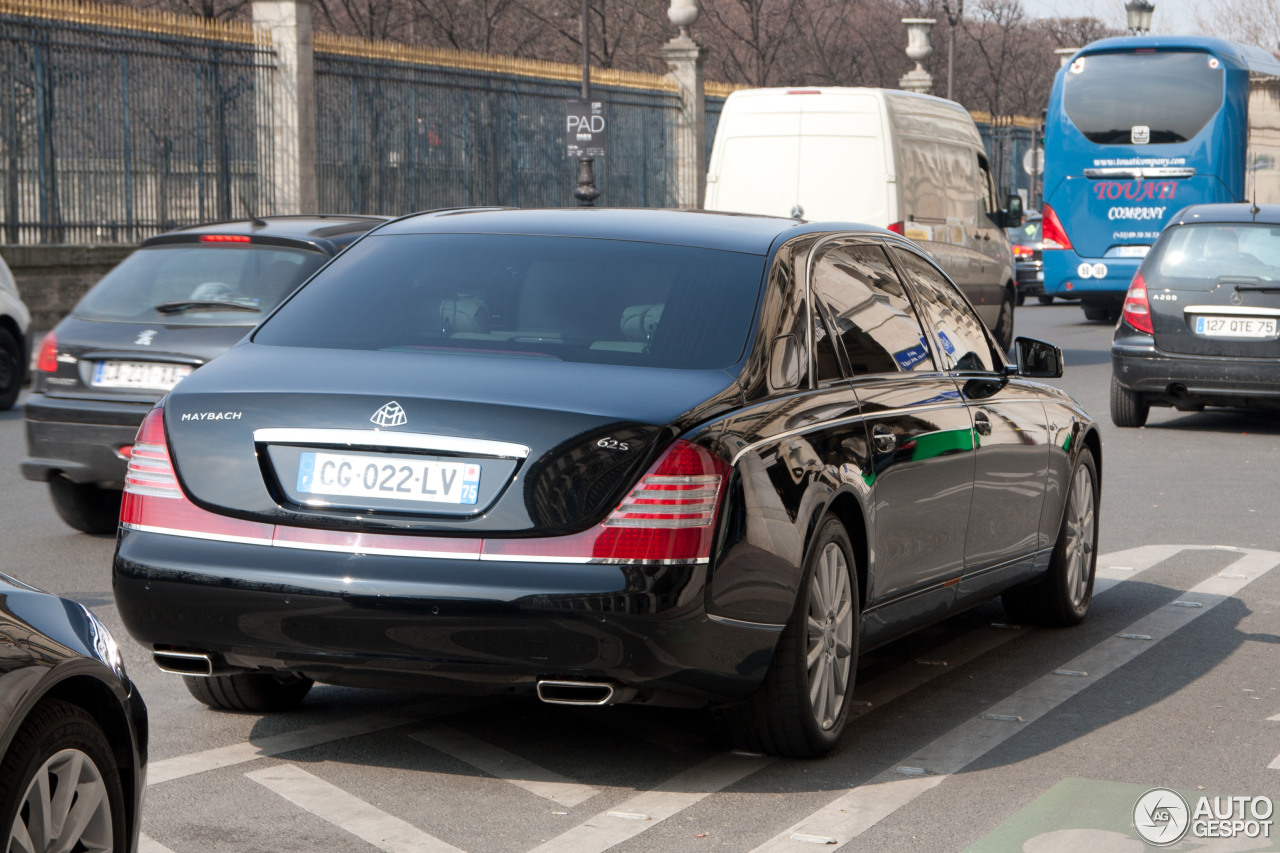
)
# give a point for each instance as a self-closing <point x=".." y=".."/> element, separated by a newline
<point x="249" y="691"/>
<point x="60" y="788"/>
<point x="1045" y="299"/>
<point x="84" y="506"/>
<point x="1004" y="324"/>
<point x="1127" y="408"/>
<point x="10" y="370"/>
<point x="802" y="707"/>
<point x="1062" y="595"/>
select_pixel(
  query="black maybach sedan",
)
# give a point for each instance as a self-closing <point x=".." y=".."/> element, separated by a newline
<point x="604" y="456"/>
<point x="177" y="302"/>
<point x="73" y="729"/>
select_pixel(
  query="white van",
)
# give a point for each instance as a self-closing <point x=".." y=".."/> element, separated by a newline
<point x="911" y="163"/>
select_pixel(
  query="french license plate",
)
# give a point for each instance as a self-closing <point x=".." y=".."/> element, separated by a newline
<point x="1132" y="251"/>
<point x="1236" y="327"/>
<point x="356" y="475"/>
<point x="139" y="374"/>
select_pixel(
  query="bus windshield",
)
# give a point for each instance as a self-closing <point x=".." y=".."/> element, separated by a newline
<point x="1154" y="98"/>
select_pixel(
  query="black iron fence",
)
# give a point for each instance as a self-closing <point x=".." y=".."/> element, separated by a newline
<point x="118" y="128"/>
<point x="396" y="134"/>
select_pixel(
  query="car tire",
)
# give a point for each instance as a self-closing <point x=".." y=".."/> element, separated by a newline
<point x="1128" y="408"/>
<point x="1045" y="299"/>
<point x="259" y="692"/>
<point x="781" y="718"/>
<point x="11" y="370"/>
<point x="1021" y="300"/>
<point x="60" y="745"/>
<point x="1004" y="323"/>
<point x="1061" y="596"/>
<point x="84" y="506"/>
<point x="1100" y="313"/>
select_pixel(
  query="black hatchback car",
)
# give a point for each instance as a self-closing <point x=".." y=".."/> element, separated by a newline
<point x="604" y="456"/>
<point x="1200" y="324"/>
<point x="180" y="300"/>
<point x="73" y="729"/>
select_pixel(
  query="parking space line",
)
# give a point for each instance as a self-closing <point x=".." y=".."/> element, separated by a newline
<point x="255" y="748"/>
<point x="147" y="844"/>
<point x="336" y="806"/>
<point x="505" y="766"/>
<point x="646" y="810"/>
<point x="858" y="809"/>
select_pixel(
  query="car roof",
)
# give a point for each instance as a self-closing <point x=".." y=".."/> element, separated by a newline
<point x="734" y="232"/>
<point x="335" y="230"/>
<point x="1238" y="212"/>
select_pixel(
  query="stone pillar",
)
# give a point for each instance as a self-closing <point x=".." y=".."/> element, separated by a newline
<point x="684" y="58"/>
<point x="290" y="104"/>
<point x="918" y="49"/>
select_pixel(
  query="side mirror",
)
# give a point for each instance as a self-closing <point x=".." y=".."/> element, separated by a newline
<point x="1037" y="359"/>
<point x="1013" y="211"/>
<point x="785" y="359"/>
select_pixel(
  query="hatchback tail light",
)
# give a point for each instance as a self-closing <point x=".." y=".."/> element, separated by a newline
<point x="1137" y="309"/>
<point x="669" y="517"/>
<point x="47" y="360"/>
<point x="1023" y="251"/>
<point x="1053" y="235"/>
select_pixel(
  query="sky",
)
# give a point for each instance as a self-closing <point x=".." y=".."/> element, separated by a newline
<point x="1171" y="17"/>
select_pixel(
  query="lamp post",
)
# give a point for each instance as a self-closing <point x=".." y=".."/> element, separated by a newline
<point x="953" y="19"/>
<point x="586" y="192"/>
<point x="1138" y="13"/>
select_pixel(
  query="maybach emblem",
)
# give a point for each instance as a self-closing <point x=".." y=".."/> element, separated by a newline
<point x="390" y="415"/>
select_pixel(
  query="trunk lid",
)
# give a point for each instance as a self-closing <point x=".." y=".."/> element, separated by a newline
<point x="431" y="442"/>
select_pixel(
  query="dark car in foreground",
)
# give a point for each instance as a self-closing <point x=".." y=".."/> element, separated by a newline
<point x="604" y="456"/>
<point x="177" y="302"/>
<point x="73" y="729"/>
<point x="1200" y="324"/>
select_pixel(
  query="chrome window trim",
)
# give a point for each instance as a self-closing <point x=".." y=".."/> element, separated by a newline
<point x="377" y="438"/>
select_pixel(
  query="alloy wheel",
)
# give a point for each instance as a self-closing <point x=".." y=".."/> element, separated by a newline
<point x="1081" y="521"/>
<point x="66" y="807"/>
<point x="829" y="655"/>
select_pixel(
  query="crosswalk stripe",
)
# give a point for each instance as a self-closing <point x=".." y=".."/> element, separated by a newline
<point x="646" y="810"/>
<point x="851" y="814"/>
<point x="366" y="822"/>
<point x="239" y="753"/>
<point x="505" y="766"/>
<point x="1121" y="566"/>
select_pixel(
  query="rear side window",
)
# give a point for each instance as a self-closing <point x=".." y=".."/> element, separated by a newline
<point x="195" y="284"/>
<point x="873" y="316"/>
<point x="1197" y="256"/>
<point x="561" y="298"/>
<point x="1168" y="95"/>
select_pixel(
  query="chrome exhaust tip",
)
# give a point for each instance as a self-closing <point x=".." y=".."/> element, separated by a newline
<point x="184" y="663"/>
<point x="577" y="692"/>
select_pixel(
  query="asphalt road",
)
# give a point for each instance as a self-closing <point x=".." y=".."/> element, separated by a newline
<point x="973" y="736"/>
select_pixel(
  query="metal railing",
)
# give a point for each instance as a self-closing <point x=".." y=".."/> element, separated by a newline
<point x="115" y="130"/>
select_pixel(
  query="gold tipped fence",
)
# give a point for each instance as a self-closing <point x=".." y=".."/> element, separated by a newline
<point x="137" y="20"/>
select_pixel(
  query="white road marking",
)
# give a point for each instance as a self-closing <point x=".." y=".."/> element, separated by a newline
<point x="147" y="844"/>
<point x="1121" y="566"/>
<point x="851" y="814"/>
<point x="384" y="831"/>
<point x="629" y="819"/>
<point x="505" y="766"/>
<point x="239" y="753"/>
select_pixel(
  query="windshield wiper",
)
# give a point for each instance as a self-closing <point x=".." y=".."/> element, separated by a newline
<point x="203" y="305"/>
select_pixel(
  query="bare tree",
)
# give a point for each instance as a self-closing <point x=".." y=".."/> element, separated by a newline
<point x="1255" y="22"/>
<point x="751" y="36"/>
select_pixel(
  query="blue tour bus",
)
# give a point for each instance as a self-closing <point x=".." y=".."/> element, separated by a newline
<point x="1136" y="130"/>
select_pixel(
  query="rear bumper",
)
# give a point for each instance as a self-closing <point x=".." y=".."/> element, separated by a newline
<point x="444" y="625"/>
<point x="1192" y="380"/>
<point x="1063" y="268"/>
<point x="79" y="439"/>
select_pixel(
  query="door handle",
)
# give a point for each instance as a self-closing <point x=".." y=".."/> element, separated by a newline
<point x="883" y="438"/>
<point x="981" y="423"/>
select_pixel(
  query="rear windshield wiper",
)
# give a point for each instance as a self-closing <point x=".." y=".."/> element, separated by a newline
<point x="1250" y="284"/>
<point x="203" y="305"/>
